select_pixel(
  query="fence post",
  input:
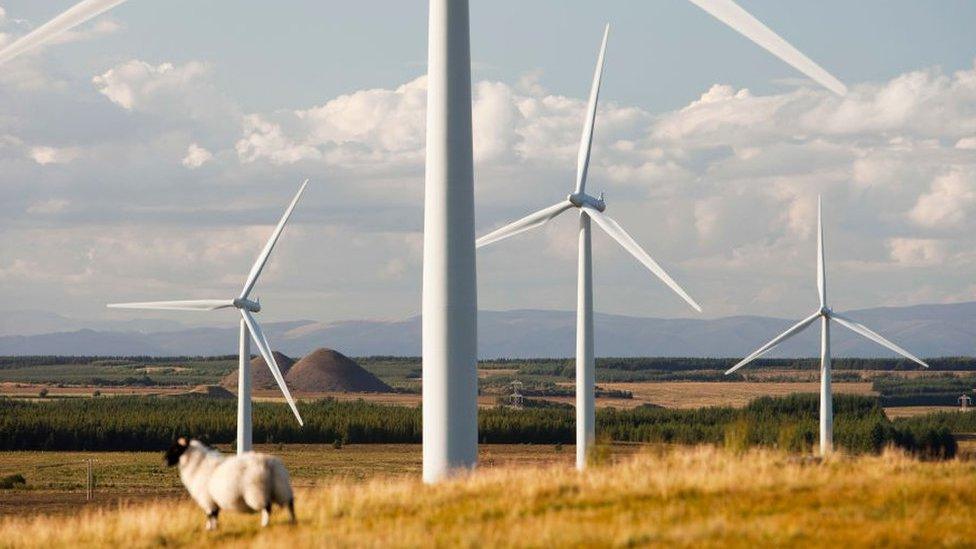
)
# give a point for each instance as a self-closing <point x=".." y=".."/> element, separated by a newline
<point x="91" y="482"/>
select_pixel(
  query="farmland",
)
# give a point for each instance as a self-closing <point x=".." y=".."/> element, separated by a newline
<point x="621" y="383"/>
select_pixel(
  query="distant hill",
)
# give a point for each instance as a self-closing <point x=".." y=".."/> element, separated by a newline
<point x="928" y="330"/>
<point x="29" y="322"/>
<point x="328" y="370"/>
<point x="261" y="377"/>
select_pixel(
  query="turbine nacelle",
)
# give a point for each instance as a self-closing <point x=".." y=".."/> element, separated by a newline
<point x="247" y="305"/>
<point x="582" y="199"/>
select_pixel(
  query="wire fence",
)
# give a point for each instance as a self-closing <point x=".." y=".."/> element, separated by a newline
<point x="79" y="475"/>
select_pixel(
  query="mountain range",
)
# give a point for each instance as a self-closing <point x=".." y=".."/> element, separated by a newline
<point x="926" y="330"/>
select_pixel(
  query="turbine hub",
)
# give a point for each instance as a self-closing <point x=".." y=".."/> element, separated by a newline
<point x="825" y="310"/>
<point x="582" y="199"/>
<point x="247" y="305"/>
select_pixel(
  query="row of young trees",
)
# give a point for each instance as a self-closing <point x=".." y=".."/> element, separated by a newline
<point x="943" y="390"/>
<point x="57" y="360"/>
<point x="150" y="423"/>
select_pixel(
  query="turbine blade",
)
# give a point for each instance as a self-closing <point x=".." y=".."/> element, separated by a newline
<point x="792" y="331"/>
<point x="859" y="328"/>
<point x="739" y="19"/>
<point x="586" y="140"/>
<point x="620" y="235"/>
<point x="252" y="277"/>
<point x="530" y="221"/>
<point x="821" y="260"/>
<point x="72" y="17"/>
<point x="262" y="342"/>
<point x="187" y="305"/>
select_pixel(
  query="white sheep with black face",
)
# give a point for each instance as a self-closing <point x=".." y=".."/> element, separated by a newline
<point x="247" y="482"/>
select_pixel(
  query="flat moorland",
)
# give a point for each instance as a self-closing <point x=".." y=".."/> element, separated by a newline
<point x="680" y="496"/>
<point x="55" y="482"/>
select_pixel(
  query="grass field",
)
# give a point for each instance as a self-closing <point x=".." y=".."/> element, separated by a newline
<point x="56" y="480"/>
<point x="692" y="497"/>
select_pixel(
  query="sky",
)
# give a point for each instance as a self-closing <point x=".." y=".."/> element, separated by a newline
<point x="147" y="155"/>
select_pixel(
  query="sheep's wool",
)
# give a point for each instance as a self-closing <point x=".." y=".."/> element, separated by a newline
<point x="248" y="482"/>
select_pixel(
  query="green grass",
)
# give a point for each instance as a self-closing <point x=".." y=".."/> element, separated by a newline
<point x="123" y="372"/>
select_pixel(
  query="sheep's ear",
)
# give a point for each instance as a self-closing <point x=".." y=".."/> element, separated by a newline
<point x="182" y="441"/>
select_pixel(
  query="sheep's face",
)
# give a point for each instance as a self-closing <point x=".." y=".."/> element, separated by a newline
<point x="172" y="456"/>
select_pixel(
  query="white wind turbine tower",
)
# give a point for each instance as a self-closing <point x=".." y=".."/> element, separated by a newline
<point x="589" y="208"/>
<point x="449" y="297"/>
<point x="825" y="314"/>
<point x="249" y="329"/>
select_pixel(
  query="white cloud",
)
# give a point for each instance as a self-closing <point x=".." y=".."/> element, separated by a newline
<point x="918" y="252"/>
<point x="384" y="129"/>
<point x="137" y="85"/>
<point x="54" y="155"/>
<point x="364" y="128"/>
<point x="722" y="191"/>
<point x="265" y="140"/>
<point x="196" y="156"/>
<point x="949" y="201"/>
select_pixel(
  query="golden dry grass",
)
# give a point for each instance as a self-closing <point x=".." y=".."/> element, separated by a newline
<point x="697" y="497"/>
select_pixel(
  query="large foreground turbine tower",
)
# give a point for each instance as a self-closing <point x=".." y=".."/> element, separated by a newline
<point x="825" y="314"/>
<point x="450" y="293"/>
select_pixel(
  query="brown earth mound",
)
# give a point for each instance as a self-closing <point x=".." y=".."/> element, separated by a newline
<point x="211" y="391"/>
<point x="261" y="377"/>
<point x="328" y="370"/>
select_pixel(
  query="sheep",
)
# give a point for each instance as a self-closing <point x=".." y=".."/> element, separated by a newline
<point x="247" y="482"/>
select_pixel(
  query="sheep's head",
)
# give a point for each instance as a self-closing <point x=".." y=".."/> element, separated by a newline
<point x="172" y="456"/>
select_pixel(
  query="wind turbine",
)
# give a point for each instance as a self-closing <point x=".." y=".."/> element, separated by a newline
<point x="825" y="314"/>
<point x="589" y="208"/>
<point x="450" y="299"/>
<point x="249" y="329"/>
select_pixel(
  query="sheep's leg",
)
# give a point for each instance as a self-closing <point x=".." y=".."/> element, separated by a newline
<point x="212" y="519"/>
<point x="291" y="510"/>
<point x="266" y="515"/>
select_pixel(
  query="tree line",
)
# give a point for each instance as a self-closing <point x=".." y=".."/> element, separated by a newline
<point x="152" y="423"/>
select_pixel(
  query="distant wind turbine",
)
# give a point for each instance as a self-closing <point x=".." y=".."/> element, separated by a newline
<point x="825" y="314"/>
<point x="589" y="208"/>
<point x="249" y="329"/>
